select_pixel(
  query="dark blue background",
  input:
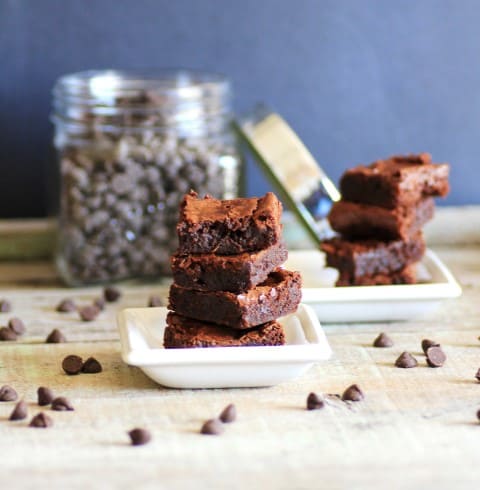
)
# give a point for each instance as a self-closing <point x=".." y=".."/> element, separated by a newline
<point x="358" y="80"/>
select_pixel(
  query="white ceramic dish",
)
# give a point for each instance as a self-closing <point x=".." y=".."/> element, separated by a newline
<point x="141" y="335"/>
<point x="371" y="303"/>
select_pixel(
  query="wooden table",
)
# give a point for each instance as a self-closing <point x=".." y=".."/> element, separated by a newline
<point x="417" y="428"/>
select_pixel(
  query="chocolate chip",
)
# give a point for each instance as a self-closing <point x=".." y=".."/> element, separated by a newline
<point x="139" y="437"/>
<point x="41" y="420"/>
<point x="91" y="366"/>
<point x="427" y="343"/>
<point x="16" y="325"/>
<point x="477" y="375"/>
<point x="88" y="313"/>
<point x="55" y="337"/>
<point x="111" y="294"/>
<point x="383" y="340"/>
<point x="155" y="301"/>
<point x="62" y="404"/>
<point x="314" y="402"/>
<point x="5" y="306"/>
<point x="7" y="334"/>
<point x="99" y="303"/>
<point x="212" y="427"/>
<point x="406" y="361"/>
<point x="478" y="414"/>
<point x="66" y="306"/>
<point x="72" y="364"/>
<point x="7" y="394"/>
<point x="353" y="394"/>
<point x="20" y="411"/>
<point x="45" y="396"/>
<point x="229" y="414"/>
<point x="435" y="356"/>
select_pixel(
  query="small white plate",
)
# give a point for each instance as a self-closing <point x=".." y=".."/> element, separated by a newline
<point x="141" y="337"/>
<point x="371" y="303"/>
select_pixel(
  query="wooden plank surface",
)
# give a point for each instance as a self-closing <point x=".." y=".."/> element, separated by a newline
<point x="417" y="428"/>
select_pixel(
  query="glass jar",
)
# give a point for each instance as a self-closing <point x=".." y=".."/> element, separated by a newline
<point x="129" y="146"/>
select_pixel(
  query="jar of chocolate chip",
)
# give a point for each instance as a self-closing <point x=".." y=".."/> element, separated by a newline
<point x="129" y="146"/>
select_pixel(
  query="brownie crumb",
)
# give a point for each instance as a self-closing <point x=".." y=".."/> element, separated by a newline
<point x="72" y="364"/>
<point x="139" y="437"/>
<point x="406" y="361"/>
<point x="41" y="420"/>
<point x="45" y="396"/>
<point x="477" y="375"/>
<point x="88" y="313"/>
<point x="383" y="340"/>
<point x="155" y="301"/>
<point x="314" y="402"/>
<point x="62" y="404"/>
<point x="17" y="326"/>
<point x="7" y="394"/>
<point x="111" y="294"/>
<point x="478" y="414"/>
<point x="99" y="303"/>
<point x="91" y="366"/>
<point x="353" y="394"/>
<point x="212" y="427"/>
<point x="66" y="306"/>
<point x="229" y="414"/>
<point x="5" y="306"/>
<point x="427" y="343"/>
<point x="435" y="356"/>
<point x="7" y="334"/>
<point x="55" y="337"/>
<point x="20" y="411"/>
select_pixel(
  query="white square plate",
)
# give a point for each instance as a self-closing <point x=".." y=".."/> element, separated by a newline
<point x="371" y="303"/>
<point x="141" y="336"/>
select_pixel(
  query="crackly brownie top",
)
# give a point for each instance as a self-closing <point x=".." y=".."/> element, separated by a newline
<point x="195" y="210"/>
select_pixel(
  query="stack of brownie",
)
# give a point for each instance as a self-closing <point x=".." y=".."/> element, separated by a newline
<point x="380" y="218"/>
<point x="229" y="288"/>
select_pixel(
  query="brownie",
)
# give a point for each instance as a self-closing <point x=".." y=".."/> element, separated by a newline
<point x="184" y="332"/>
<point x="355" y="220"/>
<point x="357" y="258"/>
<point x="228" y="227"/>
<point x="279" y="295"/>
<point x="407" y="275"/>
<point x="397" y="181"/>
<point x="234" y="273"/>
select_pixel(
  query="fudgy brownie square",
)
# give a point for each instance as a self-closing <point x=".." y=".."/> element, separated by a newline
<point x="396" y="181"/>
<point x="358" y="258"/>
<point x="356" y="220"/>
<point x="279" y="295"/>
<point x="234" y="273"/>
<point x="182" y="332"/>
<point x="407" y="275"/>
<point x="227" y="227"/>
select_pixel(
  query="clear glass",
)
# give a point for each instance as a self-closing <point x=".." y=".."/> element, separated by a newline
<point x="129" y="147"/>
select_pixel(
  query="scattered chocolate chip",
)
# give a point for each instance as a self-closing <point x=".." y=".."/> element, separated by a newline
<point x="229" y="414"/>
<point x="41" y="420"/>
<point x="155" y="301"/>
<point x="7" y="394"/>
<point x="7" y="334"/>
<point x="383" y="340"/>
<point x="435" y="356"/>
<point x="72" y="364"/>
<point x="5" y="306"/>
<point x="212" y="427"/>
<point x="16" y="325"/>
<point x="111" y="294"/>
<point x="45" y="396"/>
<point x="55" y="337"/>
<point x="62" y="404"/>
<point x="139" y="437"/>
<point x="99" y="303"/>
<point x="353" y="394"/>
<point x="477" y="375"/>
<point x="20" y="411"/>
<point x="66" y="306"/>
<point x="406" y="361"/>
<point x="314" y="402"/>
<point x="91" y="366"/>
<point x="88" y="313"/>
<point x="427" y="343"/>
